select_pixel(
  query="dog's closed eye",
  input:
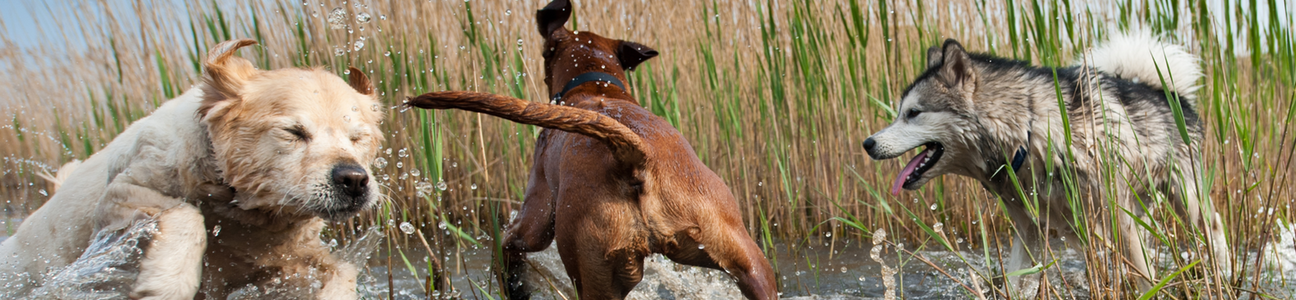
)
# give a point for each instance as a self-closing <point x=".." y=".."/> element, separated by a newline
<point x="298" y="131"/>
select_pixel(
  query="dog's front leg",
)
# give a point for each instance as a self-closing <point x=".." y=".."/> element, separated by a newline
<point x="341" y="284"/>
<point x="172" y="262"/>
<point x="172" y="265"/>
<point x="1026" y="248"/>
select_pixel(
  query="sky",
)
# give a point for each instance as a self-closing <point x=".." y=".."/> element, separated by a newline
<point x="25" y="22"/>
<point x="18" y="23"/>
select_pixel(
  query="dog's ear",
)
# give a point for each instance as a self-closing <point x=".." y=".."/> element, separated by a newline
<point x="957" y="70"/>
<point x="553" y="16"/>
<point x="359" y="81"/>
<point x="224" y="74"/>
<point x="934" y="58"/>
<point x="631" y="54"/>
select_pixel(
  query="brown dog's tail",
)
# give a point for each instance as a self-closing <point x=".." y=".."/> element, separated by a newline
<point x="625" y="144"/>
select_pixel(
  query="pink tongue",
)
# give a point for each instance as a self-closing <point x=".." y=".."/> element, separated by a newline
<point x="908" y="169"/>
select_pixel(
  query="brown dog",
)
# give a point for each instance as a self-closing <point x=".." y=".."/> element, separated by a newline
<point x="614" y="183"/>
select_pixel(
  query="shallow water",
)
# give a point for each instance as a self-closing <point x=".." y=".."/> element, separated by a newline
<point x="812" y="272"/>
<point x="818" y="270"/>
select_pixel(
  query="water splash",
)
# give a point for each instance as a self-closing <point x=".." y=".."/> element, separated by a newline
<point x="663" y="279"/>
<point x="105" y="271"/>
<point x="337" y="18"/>
<point x="888" y="273"/>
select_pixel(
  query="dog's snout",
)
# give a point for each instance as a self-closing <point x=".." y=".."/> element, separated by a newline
<point x="351" y="179"/>
<point x="869" y="143"/>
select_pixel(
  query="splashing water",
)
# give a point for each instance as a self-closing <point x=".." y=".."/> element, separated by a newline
<point x="662" y="279"/>
<point x="105" y="271"/>
<point x="337" y="18"/>
<point x="110" y="266"/>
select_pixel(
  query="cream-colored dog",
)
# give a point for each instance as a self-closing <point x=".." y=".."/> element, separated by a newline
<point x="239" y="172"/>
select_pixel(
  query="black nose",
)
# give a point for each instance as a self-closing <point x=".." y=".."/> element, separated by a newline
<point x="868" y="145"/>
<point x="351" y="179"/>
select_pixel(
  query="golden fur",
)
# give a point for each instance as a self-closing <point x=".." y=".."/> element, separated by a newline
<point x="239" y="172"/>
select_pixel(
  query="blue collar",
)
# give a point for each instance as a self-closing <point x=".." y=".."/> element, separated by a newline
<point x="1020" y="157"/>
<point x="587" y="77"/>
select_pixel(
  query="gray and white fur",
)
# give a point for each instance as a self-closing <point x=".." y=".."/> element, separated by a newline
<point x="976" y="114"/>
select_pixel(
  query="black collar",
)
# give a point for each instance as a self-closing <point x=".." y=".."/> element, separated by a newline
<point x="587" y="77"/>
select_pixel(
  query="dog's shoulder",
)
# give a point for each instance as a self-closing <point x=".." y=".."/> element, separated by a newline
<point x="155" y="149"/>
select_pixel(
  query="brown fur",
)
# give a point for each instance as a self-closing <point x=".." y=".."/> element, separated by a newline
<point x="614" y="183"/>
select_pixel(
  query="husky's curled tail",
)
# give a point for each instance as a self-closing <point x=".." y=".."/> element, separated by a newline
<point x="1141" y="57"/>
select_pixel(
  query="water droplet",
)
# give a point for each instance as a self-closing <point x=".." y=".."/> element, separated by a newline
<point x="473" y="186"/>
<point x="357" y="45"/>
<point x="382" y="17"/>
<point x="380" y="163"/>
<point x="44" y="193"/>
<point x="414" y="172"/>
<point x="933" y="206"/>
<point x="843" y="270"/>
<point x="508" y="12"/>
<point x="423" y="186"/>
<point x="346" y="72"/>
<point x="404" y="152"/>
<point x="336" y="17"/>
<point x="216" y="230"/>
<point x="337" y="51"/>
<point x="701" y="246"/>
<point x="362" y="18"/>
<point x="388" y="53"/>
<point x="441" y="185"/>
<point x="407" y="228"/>
<point x="400" y="165"/>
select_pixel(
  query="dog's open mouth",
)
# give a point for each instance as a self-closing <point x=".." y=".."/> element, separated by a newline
<point x="916" y="167"/>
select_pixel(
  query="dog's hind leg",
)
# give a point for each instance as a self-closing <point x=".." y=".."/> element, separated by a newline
<point x="1136" y="250"/>
<point x="727" y="246"/>
<point x="1199" y="211"/>
<point x="532" y="231"/>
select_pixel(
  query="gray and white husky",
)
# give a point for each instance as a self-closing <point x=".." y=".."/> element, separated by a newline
<point x="985" y="117"/>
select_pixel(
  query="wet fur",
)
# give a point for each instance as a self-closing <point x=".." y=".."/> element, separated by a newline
<point x="217" y="157"/>
<point x="611" y="182"/>
<point x="983" y="108"/>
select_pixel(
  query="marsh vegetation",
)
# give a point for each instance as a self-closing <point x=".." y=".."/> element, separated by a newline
<point x="774" y="95"/>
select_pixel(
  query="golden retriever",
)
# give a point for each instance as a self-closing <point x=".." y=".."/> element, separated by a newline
<point x="239" y="172"/>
